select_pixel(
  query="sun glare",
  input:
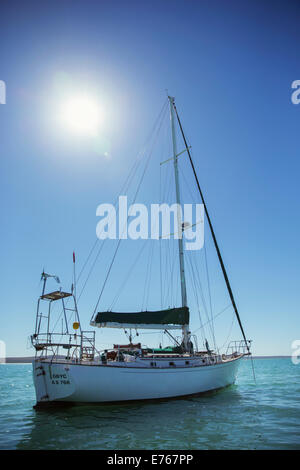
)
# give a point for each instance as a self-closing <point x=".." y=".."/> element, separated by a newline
<point x="81" y="115"/>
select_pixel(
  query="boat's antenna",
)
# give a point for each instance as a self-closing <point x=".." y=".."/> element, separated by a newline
<point x="213" y="233"/>
<point x="74" y="273"/>
<point x="44" y="277"/>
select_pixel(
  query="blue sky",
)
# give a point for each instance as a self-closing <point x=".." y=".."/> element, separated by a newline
<point x="230" y="66"/>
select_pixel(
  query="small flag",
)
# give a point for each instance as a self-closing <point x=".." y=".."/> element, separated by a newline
<point x="73" y="257"/>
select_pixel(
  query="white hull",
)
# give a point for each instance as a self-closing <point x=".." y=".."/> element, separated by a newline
<point x="66" y="382"/>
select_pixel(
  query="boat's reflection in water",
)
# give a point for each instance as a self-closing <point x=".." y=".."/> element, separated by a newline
<point x="182" y="423"/>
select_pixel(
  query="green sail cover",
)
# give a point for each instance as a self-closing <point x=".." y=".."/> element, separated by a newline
<point x="173" y="317"/>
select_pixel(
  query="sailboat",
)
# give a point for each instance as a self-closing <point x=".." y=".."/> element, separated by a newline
<point x="68" y="368"/>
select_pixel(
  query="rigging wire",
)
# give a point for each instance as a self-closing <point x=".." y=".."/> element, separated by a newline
<point x="129" y="178"/>
<point x="135" y="166"/>
<point x="230" y="329"/>
<point x="209" y="294"/>
<point x="116" y="203"/>
<point x="162" y="114"/>
<point x="150" y="274"/>
<point x="197" y="302"/>
<point x="217" y="315"/>
<point x="162" y="198"/>
<point x="170" y="257"/>
<point x="198" y="280"/>
<point x="117" y="296"/>
<point x="126" y="184"/>
<point x="147" y="277"/>
<point x="206" y="265"/>
<point x="160" y="248"/>
<point x="172" y="283"/>
<point x="213" y="236"/>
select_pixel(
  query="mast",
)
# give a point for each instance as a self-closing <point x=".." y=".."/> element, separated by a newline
<point x="213" y="235"/>
<point x="185" y="328"/>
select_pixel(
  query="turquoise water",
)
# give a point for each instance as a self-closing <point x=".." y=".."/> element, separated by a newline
<point x="244" y="416"/>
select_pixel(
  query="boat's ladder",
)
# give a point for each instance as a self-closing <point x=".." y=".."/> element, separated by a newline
<point x="87" y="347"/>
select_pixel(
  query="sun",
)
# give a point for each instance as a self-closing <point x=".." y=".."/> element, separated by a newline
<point x="81" y="115"/>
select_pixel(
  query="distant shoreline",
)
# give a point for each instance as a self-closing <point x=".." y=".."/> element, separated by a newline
<point x="17" y="360"/>
<point x="28" y="360"/>
<point x="271" y="357"/>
